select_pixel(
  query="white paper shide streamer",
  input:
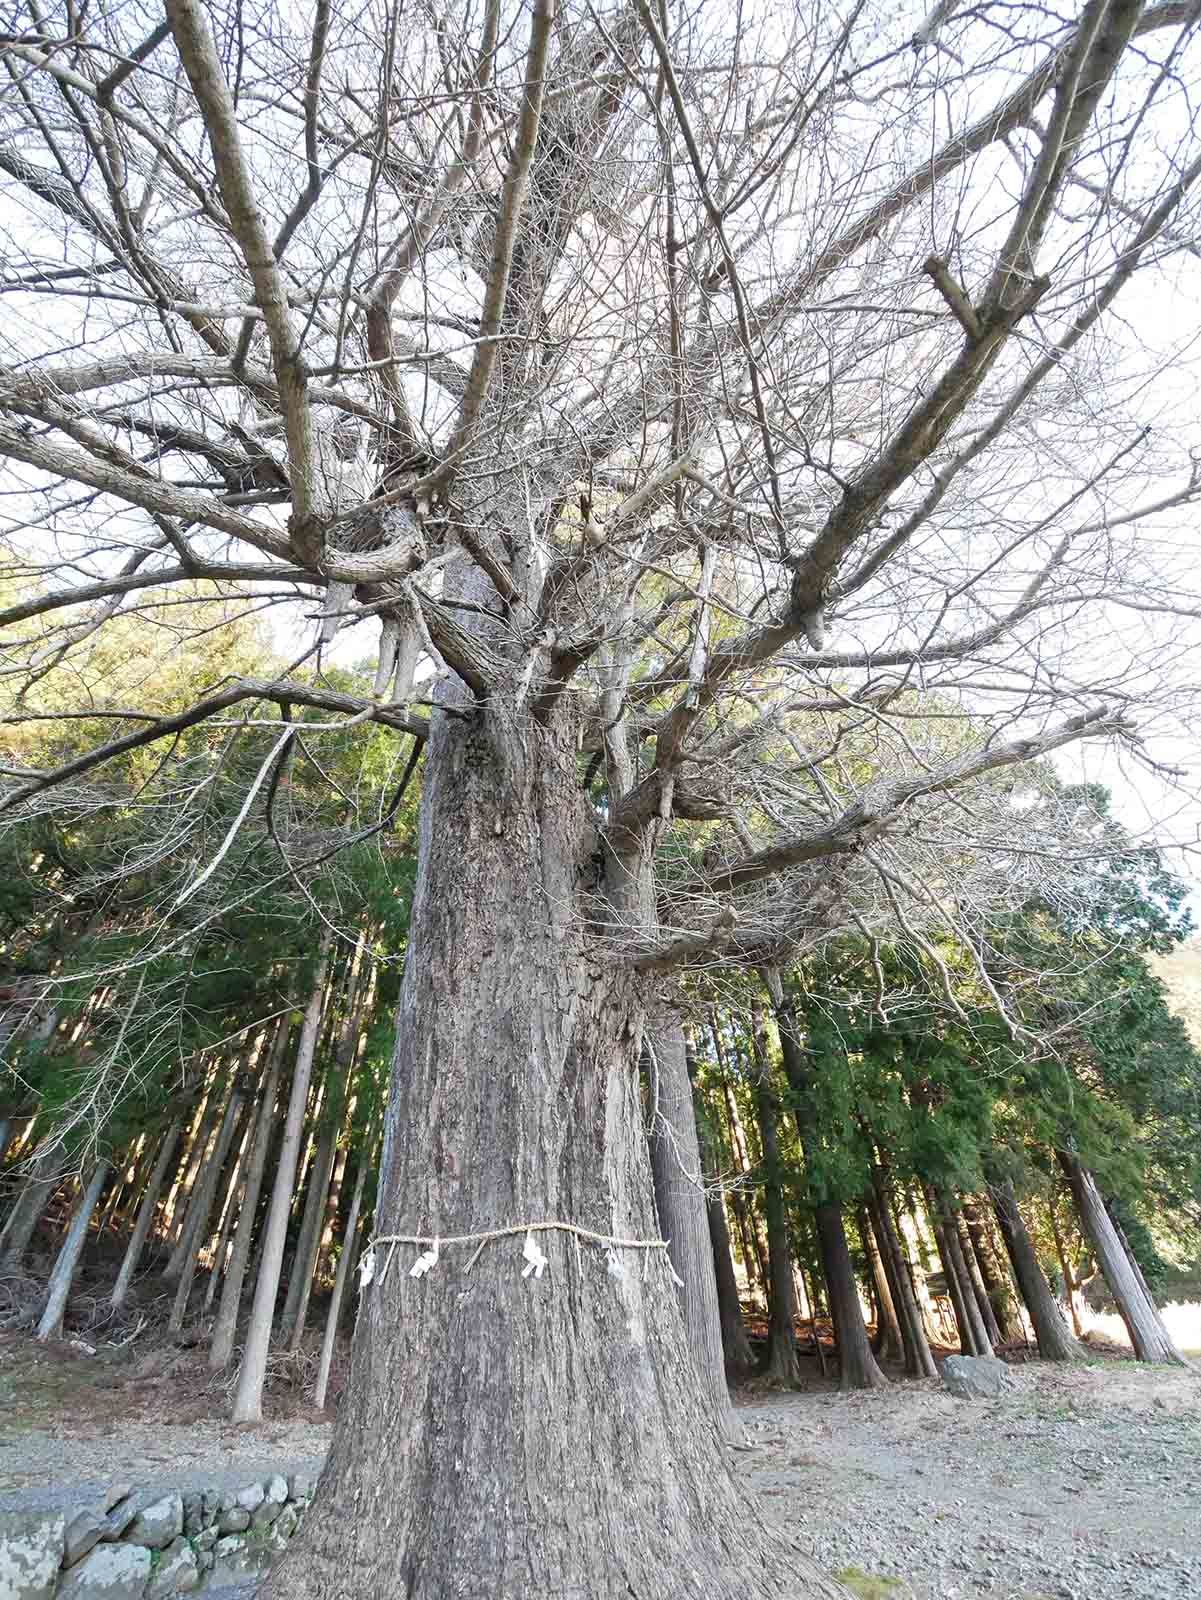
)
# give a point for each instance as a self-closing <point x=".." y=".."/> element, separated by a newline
<point x="533" y="1257"/>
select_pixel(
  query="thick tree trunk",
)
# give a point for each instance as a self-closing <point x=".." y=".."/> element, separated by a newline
<point x="145" y="1217"/>
<point x="992" y="1275"/>
<point x="890" y="1345"/>
<point x="919" y="1360"/>
<point x="248" y="1396"/>
<point x="1149" y="1339"/>
<point x="226" y="1325"/>
<point x="1055" y="1343"/>
<point x="858" y="1368"/>
<point x="680" y="1201"/>
<point x="782" y="1367"/>
<point x="63" y="1275"/>
<point x="508" y="1435"/>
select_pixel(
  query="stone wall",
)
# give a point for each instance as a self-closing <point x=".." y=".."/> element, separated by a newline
<point x="145" y="1544"/>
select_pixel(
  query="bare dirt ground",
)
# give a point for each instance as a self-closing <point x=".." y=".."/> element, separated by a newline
<point x="1081" y="1484"/>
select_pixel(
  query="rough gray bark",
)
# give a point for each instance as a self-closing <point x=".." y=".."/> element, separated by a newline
<point x="57" y="1290"/>
<point x="145" y="1217"/>
<point x="248" y="1395"/>
<point x="1149" y="1339"/>
<point x="517" y="1071"/>
<point x="1055" y="1343"/>
<point x="680" y="1201"/>
<point x="226" y="1324"/>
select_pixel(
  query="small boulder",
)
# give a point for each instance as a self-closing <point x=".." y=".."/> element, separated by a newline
<point x="301" y="1485"/>
<point x="121" y="1513"/>
<point x="178" y="1572"/>
<point x="83" y="1532"/>
<point x="976" y="1377"/>
<point x="31" y="1552"/>
<point x="276" y="1488"/>
<point x="193" y="1512"/>
<point x="109" y="1572"/>
<point x="235" y="1559"/>
<point x="158" y="1524"/>
<point x="283" y="1529"/>
<point x="251" y="1497"/>
<point x="265" y="1515"/>
<point x="235" y="1520"/>
<point x="205" y="1539"/>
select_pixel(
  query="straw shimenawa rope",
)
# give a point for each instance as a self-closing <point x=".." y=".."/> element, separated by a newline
<point x="434" y="1243"/>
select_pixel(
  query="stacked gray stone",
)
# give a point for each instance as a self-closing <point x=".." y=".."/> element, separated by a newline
<point x="131" y="1545"/>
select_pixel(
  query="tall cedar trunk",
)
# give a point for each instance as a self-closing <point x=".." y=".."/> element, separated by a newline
<point x="226" y="1325"/>
<point x="179" y="1201"/>
<point x="310" y="1234"/>
<point x="248" y="1395"/>
<point x="783" y="1367"/>
<point x="1055" y="1343"/>
<point x="509" y="1436"/>
<point x="967" y="1255"/>
<point x="753" y="1255"/>
<point x="680" y="1201"/>
<point x="919" y="1360"/>
<point x="317" y="1200"/>
<point x="341" y="1279"/>
<point x="46" y="1169"/>
<point x="1149" y="1338"/>
<point x="63" y="1275"/>
<point x="857" y="1365"/>
<point x="1071" y="1283"/>
<point x="973" y="1339"/>
<point x="736" y="1347"/>
<point x="890" y="1345"/>
<point x="195" y="1231"/>
<point x="145" y="1217"/>
<point x="993" y="1275"/>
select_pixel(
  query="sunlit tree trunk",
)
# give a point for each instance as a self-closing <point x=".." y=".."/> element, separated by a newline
<point x="517" y="1435"/>
<point x="1149" y="1338"/>
<point x="680" y="1203"/>
<point x="59" y="1288"/>
<point x="226" y="1324"/>
<point x="248" y="1395"/>
<point x="1055" y="1343"/>
<point x="145" y="1216"/>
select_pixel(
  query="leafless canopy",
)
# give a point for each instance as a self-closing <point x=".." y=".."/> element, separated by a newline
<point x="796" y="393"/>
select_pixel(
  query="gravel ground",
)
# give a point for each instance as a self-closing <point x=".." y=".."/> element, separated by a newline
<point x="1082" y="1484"/>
